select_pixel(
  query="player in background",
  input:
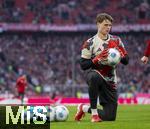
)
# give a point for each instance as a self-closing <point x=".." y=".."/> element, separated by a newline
<point x="101" y="79"/>
<point x="21" y="85"/>
<point x="145" y="59"/>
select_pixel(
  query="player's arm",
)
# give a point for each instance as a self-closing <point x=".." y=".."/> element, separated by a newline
<point x="92" y="63"/>
<point x="125" y="60"/>
<point x="124" y="54"/>
<point x="145" y="59"/>
<point x="147" y="51"/>
<point x="86" y="62"/>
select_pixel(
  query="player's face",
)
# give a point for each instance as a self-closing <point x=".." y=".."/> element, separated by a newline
<point x="104" y="27"/>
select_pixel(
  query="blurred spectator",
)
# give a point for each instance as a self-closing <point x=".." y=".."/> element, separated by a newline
<point x="46" y="59"/>
<point x="64" y="12"/>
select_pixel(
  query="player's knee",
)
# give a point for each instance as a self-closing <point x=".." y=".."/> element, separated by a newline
<point x="112" y="118"/>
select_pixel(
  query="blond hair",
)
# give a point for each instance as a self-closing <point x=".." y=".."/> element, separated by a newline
<point x="103" y="16"/>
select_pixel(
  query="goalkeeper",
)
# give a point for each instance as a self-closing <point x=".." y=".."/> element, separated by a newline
<point x="101" y="79"/>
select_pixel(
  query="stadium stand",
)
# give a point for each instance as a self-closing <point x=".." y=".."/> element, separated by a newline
<point x="50" y="59"/>
<point x="64" y="12"/>
<point x="47" y="60"/>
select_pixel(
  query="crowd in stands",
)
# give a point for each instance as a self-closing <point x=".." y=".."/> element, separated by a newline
<point x="51" y="61"/>
<point x="71" y="12"/>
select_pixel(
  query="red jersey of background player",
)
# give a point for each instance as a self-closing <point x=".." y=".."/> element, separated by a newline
<point x="21" y="84"/>
<point x="147" y="50"/>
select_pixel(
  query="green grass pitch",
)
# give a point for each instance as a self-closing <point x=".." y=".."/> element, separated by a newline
<point x="128" y="117"/>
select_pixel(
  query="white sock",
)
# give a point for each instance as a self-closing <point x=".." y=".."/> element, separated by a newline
<point x="85" y="108"/>
<point x="94" y="111"/>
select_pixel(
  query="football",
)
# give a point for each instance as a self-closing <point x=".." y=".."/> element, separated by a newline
<point x="26" y="117"/>
<point x="40" y="113"/>
<point x="61" y="113"/>
<point x="114" y="57"/>
<point x="51" y="111"/>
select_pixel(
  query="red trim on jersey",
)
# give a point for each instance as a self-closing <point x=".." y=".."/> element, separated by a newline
<point x="147" y="50"/>
<point x="104" y="74"/>
<point x="85" y="45"/>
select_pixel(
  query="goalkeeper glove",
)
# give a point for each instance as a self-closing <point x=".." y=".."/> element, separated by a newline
<point x="101" y="57"/>
<point x="122" y="51"/>
<point x="115" y="44"/>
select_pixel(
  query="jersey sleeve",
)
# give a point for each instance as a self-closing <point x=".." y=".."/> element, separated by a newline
<point x="122" y="47"/>
<point x="147" y="50"/>
<point x="86" y="51"/>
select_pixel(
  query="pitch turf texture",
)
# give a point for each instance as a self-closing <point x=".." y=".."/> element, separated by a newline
<point x="128" y="117"/>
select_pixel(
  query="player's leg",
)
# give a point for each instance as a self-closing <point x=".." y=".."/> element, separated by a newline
<point x="109" y="111"/>
<point x="108" y="99"/>
<point x="94" y="81"/>
<point x="22" y="98"/>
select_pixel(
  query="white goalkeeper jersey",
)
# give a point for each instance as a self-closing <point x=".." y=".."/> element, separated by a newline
<point x="94" y="46"/>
